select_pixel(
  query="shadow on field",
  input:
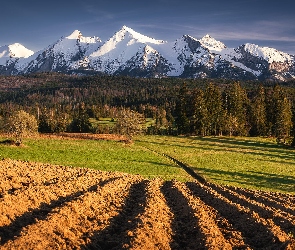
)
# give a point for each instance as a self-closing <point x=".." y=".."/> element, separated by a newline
<point x="7" y="142"/>
<point x="118" y="234"/>
<point x="237" y="146"/>
<point x="237" y="141"/>
<point x="277" y="202"/>
<point x="255" y="234"/>
<point x="269" y="149"/>
<point x="285" y="224"/>
<point x="156" y="163"/>
<point x="14" y="229"/>
<point x="186" y="232"/>
<point x="257" y="179"/>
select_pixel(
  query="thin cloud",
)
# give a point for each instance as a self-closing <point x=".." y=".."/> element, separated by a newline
<point x="261" y="30"/>
<point x="101" y="14"/>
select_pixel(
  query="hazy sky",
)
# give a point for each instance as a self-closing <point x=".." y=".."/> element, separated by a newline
<point x="36" y="24"/>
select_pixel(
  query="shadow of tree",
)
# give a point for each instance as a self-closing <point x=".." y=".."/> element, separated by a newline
<point x="258" y="179"/>
<point x="280" y="221"/>
<point x="222" y="143"/>
<point x="255" y="234"/>
<point x="267" y="149"/>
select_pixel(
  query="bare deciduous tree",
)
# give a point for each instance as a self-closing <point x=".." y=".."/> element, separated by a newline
<point x="21" y="124"/>
<point x="129" y="123"/>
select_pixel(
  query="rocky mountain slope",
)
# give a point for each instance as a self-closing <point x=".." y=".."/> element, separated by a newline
<point x="128" y="52"/>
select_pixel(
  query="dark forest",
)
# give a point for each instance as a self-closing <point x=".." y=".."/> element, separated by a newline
<point x="203" y="107"/>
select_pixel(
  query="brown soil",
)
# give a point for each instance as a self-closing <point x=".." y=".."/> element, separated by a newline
<point x="55" y="207"/>
<point x="88" y="136"/>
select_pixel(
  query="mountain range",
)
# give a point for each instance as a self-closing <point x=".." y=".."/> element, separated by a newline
<point x="130" y="53"/>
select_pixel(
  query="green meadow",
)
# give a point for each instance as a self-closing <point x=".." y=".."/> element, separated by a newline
<point x="97" y="154"/>
<point x="256" y="163"/>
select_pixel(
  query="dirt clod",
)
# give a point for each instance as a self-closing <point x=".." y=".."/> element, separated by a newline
<point x="56" y="207"/>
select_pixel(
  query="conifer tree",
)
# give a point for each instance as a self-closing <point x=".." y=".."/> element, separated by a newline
<point x="215" y="112"/>
<point x="293" y="129"/>
<point x="237" y="102"/>
<point x="284" y="119"/>
<point x="198" y="115"/>
<point x="80" y="122"/>
<point x="258" y="113"/>
<point x="181" y="120"/>
<point x="161" y="120"/>
<point x="279" y="114"/>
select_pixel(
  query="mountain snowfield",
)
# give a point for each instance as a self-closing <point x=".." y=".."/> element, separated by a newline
<point x="128" y="52"/>
<point x="12" y="51"/>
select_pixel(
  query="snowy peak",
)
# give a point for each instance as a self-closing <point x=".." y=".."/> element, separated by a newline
<point x="193" y="43"/>
<point x="123" y="46"/>
<point x="18" y="50"/>
<point x="147" y="62"/>
<point x="139" y="37"/>
<point x="66" y="54"/>
<point x="128" y="52"/>
<point x="125" y="37"/>
<point x="12" y="53"/>
<point x="268" y="54"/>
<point x="15" y="50"/>
<point x="75" y="35"/>
<point x="148" y="49"/>
<point x="212" y="44"/>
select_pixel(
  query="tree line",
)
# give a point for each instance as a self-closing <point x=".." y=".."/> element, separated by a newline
<point x="202" y="107"/>
<point x="233" y="111"/>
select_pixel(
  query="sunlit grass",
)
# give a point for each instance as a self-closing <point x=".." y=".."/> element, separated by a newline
<point x="102" y="155"/>
<point x="257" y="163"/>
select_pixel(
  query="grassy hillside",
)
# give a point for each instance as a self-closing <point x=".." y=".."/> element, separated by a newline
<point x="96" y="154"/>
<point x="258" y="163"/>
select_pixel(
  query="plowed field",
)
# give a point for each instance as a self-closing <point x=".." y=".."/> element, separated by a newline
<point x="55" y="207"/>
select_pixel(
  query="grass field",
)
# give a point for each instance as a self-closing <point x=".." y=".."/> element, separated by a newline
<point x="256" y="163"/>
<point x="97" y="154"/>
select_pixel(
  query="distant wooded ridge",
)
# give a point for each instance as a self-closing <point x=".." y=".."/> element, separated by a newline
<point x="178" y="106"/>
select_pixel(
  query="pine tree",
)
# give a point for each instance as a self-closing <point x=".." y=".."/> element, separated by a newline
<point x="181" y="120"/>
<point x="279" y="114"/>
<point x="80" y="122"/>
<point x="293" y="129"/>
<point x="237" y="104"/>
<point x="284" y="119"/>
<point x="215" y="112"/>
<point x="161" y="120"/>
<point x="258" y="114"/>
<point x="198" y="114"/>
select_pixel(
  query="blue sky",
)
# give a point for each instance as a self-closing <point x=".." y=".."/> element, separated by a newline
<point x="36" y="24"/>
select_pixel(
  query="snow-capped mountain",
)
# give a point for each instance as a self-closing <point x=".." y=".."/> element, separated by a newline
<point x="147" y="62"/>
<point x="128" y="52"/>
<point x="9" y="56"/>
<point x="204" y="58"/>
<point x="125" y="49"/>
<point x="266" y="62"/>
<point x="15" y="50"/>
<point x="67" y="53"/>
